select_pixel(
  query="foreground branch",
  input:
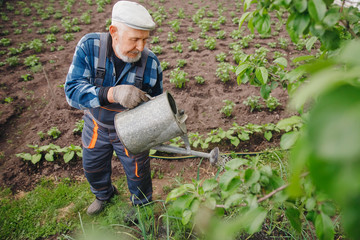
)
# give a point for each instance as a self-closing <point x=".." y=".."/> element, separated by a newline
<point x="267" y="196"/>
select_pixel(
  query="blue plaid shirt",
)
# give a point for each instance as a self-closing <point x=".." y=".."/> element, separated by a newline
<point x="80" y="90"/>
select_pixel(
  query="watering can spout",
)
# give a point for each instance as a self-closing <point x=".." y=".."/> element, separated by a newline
<point x="213" y="156"/>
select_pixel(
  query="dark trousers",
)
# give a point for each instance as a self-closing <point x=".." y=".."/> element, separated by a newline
<point x="99" y="143"/>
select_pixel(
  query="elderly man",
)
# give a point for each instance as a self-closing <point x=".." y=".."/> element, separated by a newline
<point x="128" y="73"/>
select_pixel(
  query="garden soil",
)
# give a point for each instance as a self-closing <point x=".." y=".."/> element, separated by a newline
<point x="40" y="104"/>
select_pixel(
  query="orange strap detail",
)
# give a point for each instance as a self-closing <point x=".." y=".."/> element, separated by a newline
<point x="95" y="135"/>
<point x="113" y="110"/>
<point x="136" y="169"/>
<point x="126" y="152"/>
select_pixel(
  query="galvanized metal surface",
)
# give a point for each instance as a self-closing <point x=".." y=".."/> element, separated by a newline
<point x="150" y="124"/>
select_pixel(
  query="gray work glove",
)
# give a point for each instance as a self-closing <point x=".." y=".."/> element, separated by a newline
<point x="129" y="96"/>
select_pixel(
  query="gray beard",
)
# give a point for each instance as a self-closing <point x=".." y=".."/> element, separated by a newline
<point x="126" y="58"/>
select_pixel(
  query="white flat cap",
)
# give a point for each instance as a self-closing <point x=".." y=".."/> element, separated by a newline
<point x="133" y="15"/>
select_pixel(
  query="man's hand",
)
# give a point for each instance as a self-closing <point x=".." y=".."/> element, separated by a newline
<point x="127" y="95"/>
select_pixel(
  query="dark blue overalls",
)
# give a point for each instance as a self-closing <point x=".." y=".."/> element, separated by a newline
<point x="100" y="141"/>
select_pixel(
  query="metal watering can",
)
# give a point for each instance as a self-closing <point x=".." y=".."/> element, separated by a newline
<point x="153" y="123"/>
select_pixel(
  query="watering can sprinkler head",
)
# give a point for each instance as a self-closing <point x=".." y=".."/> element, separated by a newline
<point x="214" y="156"/>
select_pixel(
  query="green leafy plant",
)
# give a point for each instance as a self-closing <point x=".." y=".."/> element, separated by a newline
<point x="155" y="39"/>
<point x="79" y="125"/>
<point x="54" y="132"/>
<point x="68" y="37"/>
<point x="181" y="13"/>
<point x="272" y="103"/>
<point x="236" y="34"/>
<point x="194" y="44"/>
<point x="36" y="45"/>
<point x="54" y="29"/>
<point x="27" y="77"/>
<point x="210" y="43"/>
<point x="41" y="135"/>
<point x="178" y="77"/>
<point x="181" y="63"/>
<point x="50" y="38"/>
<point x="221" y="57"/>
<point x="8" y="100"/>
<point x="164" y="65"/>
<point x="157" y="49"/>
<point x="171" y="37"/>
<point x="200" y="79"/>
<point x="32" y="61"/>
<point x="175" y="25"/>
<point x="228" y="108"/>
<point x="252" y="68"/>
<point x="5" y="42"/>
<point x="12" y="61"/>
<point x="86" y="17"/>
<point x="223" y="71"/>
<point x="221" y="34"/>
<point x="283" y="43"/>
<point x="253" y="102"/>
<point x="178" y="47"/>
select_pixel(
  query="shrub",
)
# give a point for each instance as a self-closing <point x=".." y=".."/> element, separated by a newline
<point x="210" y="43"/>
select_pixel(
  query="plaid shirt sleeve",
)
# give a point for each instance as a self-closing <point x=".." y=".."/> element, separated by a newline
<point x="79" y="90"/>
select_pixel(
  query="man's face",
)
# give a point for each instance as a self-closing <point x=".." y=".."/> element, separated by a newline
<point x="128" y="43"/>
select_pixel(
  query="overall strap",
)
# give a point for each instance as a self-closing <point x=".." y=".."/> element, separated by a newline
<point x="139" y="76"/>
<point x="103" y="51"/>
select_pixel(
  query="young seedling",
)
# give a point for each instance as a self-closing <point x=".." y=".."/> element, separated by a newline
<point x="27" y="77"/>
<point x="194" y="44"/>
<point x="253" y="102"/>
<point x="221" y="57"/>
<point x="228" y="108"/>
<point x="220" y="34"/>
<point x="157" y="49"/>
<point x="164" y="65"/>
<point x="79" y="125"/>
<point x="54" y="132"/>
<point x="35" y="45"/>
<point x="272" y="103"/>
<point x="155" y="40"/>
<point x="178" y="47"/>
<point x="210" y="43"/>
<point x="181" y="63"/>
<point x="171" y="37"/>
<point x="178" y="77"/>
<point x="199" y="79"/>
<point x="223" y="71"/>
<point x="31" y="61"/>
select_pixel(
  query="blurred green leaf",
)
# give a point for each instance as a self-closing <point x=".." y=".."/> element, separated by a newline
<point x="293" y="215"/>
<point x="324" y="227"/>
